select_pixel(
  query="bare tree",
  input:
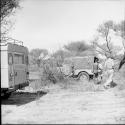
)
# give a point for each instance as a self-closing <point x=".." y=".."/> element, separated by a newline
<point x="103" y="50"/>
<point x="100" y="49"/>
<point x="104" y="32"/>
<point x="108" y="48"/>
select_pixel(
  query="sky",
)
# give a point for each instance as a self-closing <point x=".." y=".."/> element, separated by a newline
<point x="51" y="24"/>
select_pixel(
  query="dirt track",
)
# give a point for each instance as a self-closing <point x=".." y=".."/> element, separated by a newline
<point x="65" y="106"/>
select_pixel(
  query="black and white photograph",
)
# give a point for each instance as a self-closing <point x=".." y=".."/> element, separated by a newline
<point x="62" y="61"/>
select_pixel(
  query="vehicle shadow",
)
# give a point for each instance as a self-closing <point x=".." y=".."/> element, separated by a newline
<point x="21" y="98"/>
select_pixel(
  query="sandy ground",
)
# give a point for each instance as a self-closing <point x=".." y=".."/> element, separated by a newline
<point x="65" y="106"/>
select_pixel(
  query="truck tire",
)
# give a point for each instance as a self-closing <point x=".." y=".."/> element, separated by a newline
<point x="6" y="95"/>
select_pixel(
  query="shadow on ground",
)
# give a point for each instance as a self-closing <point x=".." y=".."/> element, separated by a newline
<point x="21" y="98"/>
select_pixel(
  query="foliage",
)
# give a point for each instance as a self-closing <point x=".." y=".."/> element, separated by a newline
<point x="78" y="46"/>
<point x="120" y="29"/>
<point x="50" y="71"/>
<point x="104" y="31"/>
<point x="37" y="55"/>
<point x="8" y="7"/>
<point x="59" y="57"/>
<point x="105" y="28"/>
<point x="108" y="49"/>
<point x="102" y="49"/>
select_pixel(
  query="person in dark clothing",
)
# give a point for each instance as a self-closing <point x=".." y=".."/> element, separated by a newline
<point x="95" y="67"/>
<point x="96" y="70"/>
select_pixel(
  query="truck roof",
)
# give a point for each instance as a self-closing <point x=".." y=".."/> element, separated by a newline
<point x="14" y="48"/>
<point x="13" y="45"/>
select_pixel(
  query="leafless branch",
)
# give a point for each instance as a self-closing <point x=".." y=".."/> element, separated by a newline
<point x="101" y="47"/>
<point x="108" y="40"/>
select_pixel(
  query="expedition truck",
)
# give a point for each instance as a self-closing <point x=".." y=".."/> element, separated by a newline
<point x="14" y="66"/>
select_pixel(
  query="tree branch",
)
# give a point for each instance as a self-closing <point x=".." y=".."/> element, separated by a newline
<point x="107" y="41"/>
<point x="101" y="47"/>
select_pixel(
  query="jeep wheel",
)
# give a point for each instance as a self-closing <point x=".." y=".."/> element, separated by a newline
<point x="83" y="76"/>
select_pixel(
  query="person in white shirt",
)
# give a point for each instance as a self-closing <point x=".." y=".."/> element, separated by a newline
<point x="109" y="71"/>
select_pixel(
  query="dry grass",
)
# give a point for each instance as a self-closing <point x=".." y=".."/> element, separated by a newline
<point x="66" y="84"/>
<point x="69" y="83"/>
<point x="75" y="85"/>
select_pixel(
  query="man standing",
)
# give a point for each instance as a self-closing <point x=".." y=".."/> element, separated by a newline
<point x="109" y="71"/>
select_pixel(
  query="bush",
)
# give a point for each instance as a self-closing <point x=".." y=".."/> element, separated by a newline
<point x="51" y="73"/>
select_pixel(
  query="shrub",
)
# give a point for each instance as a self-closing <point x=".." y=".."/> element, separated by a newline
<point x="51" y="73"/>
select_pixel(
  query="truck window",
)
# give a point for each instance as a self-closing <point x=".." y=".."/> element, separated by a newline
<point x="18" y="59"/>
<point x="10" y="59"/>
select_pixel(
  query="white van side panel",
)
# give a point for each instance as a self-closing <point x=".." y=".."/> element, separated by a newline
<point x="4" y="69"/>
